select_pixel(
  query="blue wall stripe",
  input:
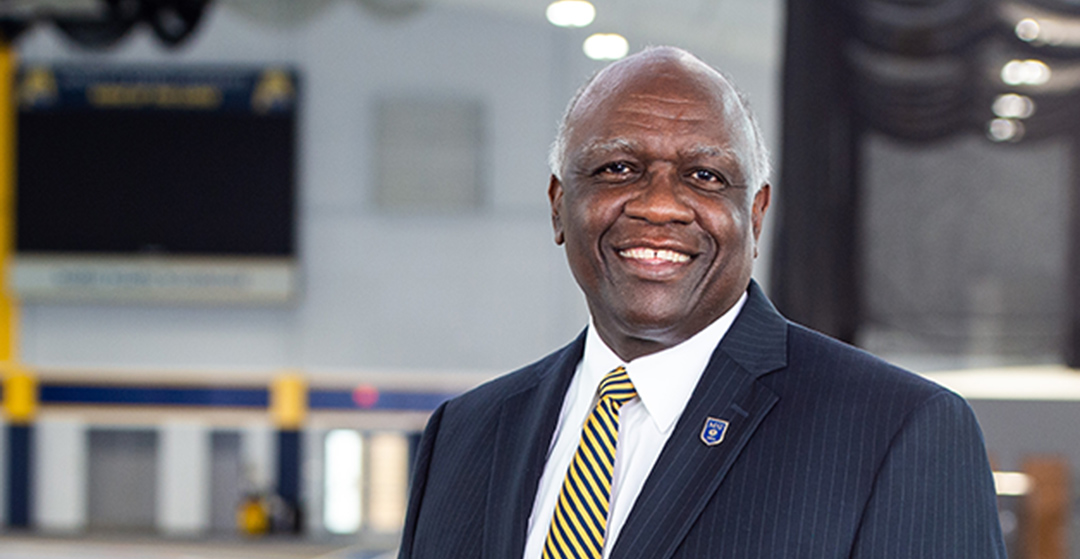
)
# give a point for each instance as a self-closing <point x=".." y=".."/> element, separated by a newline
<point x="319" y="399"/>
<point x="156" y="396"/>
<point x="389" y="400"/>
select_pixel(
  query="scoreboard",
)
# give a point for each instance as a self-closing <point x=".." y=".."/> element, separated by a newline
<point x="156" y="183"/>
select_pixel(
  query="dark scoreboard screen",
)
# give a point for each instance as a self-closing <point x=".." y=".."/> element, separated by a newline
<point x="156" y="161"/>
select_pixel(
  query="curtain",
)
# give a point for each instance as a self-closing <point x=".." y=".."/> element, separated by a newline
<point x="915" y="72"/>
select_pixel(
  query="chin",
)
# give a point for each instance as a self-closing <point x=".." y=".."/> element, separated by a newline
<point x="654" y="323"/>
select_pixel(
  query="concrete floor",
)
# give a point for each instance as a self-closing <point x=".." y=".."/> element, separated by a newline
<point x="33" y="547"/>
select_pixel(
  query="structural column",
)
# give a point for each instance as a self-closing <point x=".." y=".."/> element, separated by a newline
<point x="20" y="407"/>
<point x="313" y="480"/>
<point x="20" y="387"/>
<point x="1072" y="274"/>
<point x="288" y="409"/>
<point x="61" y="493"/>
<point x="183" y="500"/>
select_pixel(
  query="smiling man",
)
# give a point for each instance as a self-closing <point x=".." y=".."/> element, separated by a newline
<point x="690" y="419"/>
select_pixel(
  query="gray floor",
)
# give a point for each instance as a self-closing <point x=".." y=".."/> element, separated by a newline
<point x="29" y="547"/>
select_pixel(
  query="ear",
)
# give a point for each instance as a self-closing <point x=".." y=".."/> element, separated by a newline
<point x="555" y="194"/>
<point x="757" y="212"/>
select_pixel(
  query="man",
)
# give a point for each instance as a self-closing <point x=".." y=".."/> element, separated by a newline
<point x="735" y="433"/>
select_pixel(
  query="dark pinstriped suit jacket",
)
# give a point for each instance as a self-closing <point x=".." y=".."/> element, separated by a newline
<point x="830" y="453"/>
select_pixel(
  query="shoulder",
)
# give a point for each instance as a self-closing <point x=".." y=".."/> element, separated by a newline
<point x="466" y="427"/>
<point x="831" y="395"/>
<point x="815" y="352"/>
<point x="484" y="397"/>
<point x="515" y="381"/>
<point x="820" y="367"/>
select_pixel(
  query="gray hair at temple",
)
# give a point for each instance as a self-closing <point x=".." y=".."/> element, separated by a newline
<point x="761" y="165"/>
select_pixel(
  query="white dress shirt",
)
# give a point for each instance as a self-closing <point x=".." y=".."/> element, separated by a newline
<point x="664" y="381"/>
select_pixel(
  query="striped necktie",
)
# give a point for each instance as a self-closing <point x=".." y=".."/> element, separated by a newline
<point x="580" y="521"/>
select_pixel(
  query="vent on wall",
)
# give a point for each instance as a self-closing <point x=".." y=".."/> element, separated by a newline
<point x="428" y="155"/>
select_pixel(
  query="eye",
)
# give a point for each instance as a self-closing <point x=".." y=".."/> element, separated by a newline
<point x="615" y="172"/>
<point x="617" y="169"/>
<point x="707" y="178"/>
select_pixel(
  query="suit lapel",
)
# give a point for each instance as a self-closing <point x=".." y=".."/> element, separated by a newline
<point x="688" y="471"/>
<point x="527" y="421"/>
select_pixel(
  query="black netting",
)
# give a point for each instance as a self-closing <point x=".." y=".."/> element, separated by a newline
<point x="964" y="246"/>
<point x="926" y="188"/>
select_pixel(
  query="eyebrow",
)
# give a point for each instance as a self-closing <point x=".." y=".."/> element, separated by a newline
<point x="608" y="146"/>
<point x="707" y="150"/>
<point x="622" y="144"/>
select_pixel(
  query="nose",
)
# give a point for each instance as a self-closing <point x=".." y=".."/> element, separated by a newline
<point x="658" y="201"/>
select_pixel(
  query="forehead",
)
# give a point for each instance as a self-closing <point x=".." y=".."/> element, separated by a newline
<point x="670" y="102"/>
<point x="664" y="80"/>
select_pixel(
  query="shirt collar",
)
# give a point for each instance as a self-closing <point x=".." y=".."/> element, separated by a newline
<point x="666" y="379"/>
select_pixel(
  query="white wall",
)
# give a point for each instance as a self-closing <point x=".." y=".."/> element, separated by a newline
<point x="183" y="478"/>
<point x="59" y="492"/>
<point x="482" y="291"/>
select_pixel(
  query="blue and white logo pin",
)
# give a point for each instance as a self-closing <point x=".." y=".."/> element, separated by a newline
<point x="714" y="431"/>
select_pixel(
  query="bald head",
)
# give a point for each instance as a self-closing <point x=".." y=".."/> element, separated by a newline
<point x="681" y="68"/>
<point x="658" y="195"/>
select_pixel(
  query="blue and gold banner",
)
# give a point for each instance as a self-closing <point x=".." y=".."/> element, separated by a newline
<point x="363" y="397"/>
<point x="169" y="183"/>
<point x="190" y="88"/>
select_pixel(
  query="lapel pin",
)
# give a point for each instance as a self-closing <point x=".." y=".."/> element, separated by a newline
<point x="713" y="432"/>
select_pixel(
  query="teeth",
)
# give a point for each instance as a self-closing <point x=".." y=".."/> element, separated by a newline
<point x="641" y="253"/>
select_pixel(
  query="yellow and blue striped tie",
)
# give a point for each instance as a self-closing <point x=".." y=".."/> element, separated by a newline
<point x="580" y="522"/>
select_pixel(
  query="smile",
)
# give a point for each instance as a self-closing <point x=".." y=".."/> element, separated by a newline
<point x="654" y="255"/>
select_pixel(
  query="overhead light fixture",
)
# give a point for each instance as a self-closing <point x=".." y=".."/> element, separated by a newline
<point x="571" y="13"/>
<point x="1027" y="30"/>
<point x="1005" y="130"/>
<point x="1011" y="105"/>
<point x="1049" y="31"/>
<point x="1025" y="72"/>
<point x="606" y="46"/>
<point x="1040" y="26"/>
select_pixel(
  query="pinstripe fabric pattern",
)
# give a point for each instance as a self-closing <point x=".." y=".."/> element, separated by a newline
<point x="830" y="453"/>
<point x="579" y="524"/>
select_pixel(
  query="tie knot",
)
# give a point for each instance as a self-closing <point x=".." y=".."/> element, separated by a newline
<point x="616" y="386"/>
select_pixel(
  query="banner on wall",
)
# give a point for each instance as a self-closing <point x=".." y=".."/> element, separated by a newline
<point x="156" y="183"/>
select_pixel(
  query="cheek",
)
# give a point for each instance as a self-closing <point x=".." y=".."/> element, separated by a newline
<point x="581" y="234"/>
<point x="729" y="226"/>
<point x="589" y="216"/>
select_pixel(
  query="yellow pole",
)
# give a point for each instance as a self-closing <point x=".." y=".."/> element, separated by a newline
<point x="20" y="394"/>
<point x="20" y="387"/>
<point x="289" y="401"/>
<point x="9" y="307"/>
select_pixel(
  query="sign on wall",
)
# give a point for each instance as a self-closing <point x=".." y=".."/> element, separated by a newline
<point x="156" y="183"/>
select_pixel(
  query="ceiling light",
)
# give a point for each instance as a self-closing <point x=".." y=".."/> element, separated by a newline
<point x="1011" y="105"/>
<point x="1025" y="72"/>
<point x="1040" y="26"/>
<point x="1005" y="130"/>
<point x="1027" y="29"/>
<point x="571" y="13"/>
<point x="606" y="46"/>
